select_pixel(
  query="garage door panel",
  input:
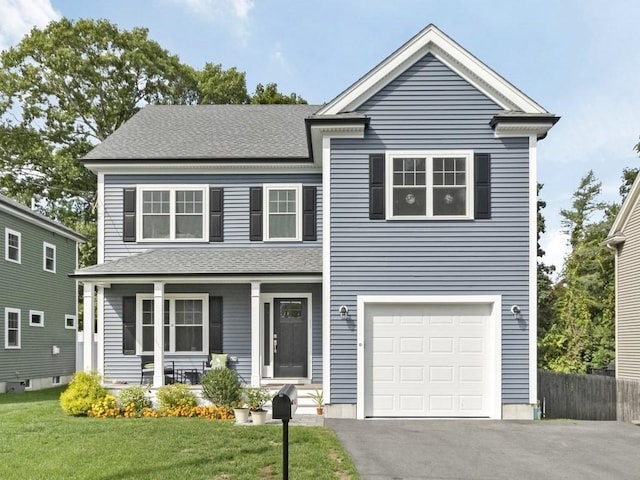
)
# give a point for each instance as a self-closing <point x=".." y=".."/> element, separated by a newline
<point x="428" y="360"/>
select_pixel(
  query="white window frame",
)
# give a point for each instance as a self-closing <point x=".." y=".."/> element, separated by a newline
<point x="40" y="314"/>
<point x="297" y="187"/>
<point x="172" y="297"/>
<point x="172" y="189"/>
<point x="7" y="311"/>
<point x="55" y="380"/>
<point x="429" y="155"/>
<point x="7" y="233"/>
<point x="73" y="322"/>
<point x="45" y="246"/>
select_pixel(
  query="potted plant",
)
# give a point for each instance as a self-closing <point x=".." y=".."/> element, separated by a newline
<point x="256" y="398"/>
<point x="241" y="412"/>
<point x="318" y="399"/>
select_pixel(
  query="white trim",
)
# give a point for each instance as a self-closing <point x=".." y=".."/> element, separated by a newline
<point x="107" y="280"/>
<point x="269" y="298"/>
<point x="172" y="189"/>
<point x="429" y="156"/>
<point x="100" y="212"/>
<point x="100" y="329"/>
<point x="74" y="318"/>
<point x="508" y="129"/>
<point x="616" y="280"/>
<point x="7" y="311"/>
<point x="495" y="409"/>
<point x="172" y="297"/>
<point x="38" y="313"/>
<point x="176" y="168"/>
<point x="624" y="214"/>
<point x="432" y="40"/>
<point x="533" y="269"/>
<point x="266" y="188"/>
<point x="7" y="232"/>
<point x="87" y="327"/>
<point x="326" y="268"/>
<point x="255" y="334"/>
<point x="45" y="246"/>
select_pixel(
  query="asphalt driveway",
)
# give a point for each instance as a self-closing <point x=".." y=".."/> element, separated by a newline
<point x="490" y="450"/>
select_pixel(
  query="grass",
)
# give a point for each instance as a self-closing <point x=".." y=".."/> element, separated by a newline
<point x="39" y="441"/>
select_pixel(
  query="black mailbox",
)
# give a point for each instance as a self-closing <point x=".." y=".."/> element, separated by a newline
<point x="284" y="404"/>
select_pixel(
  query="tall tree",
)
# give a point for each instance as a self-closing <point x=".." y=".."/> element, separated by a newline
<point x="218" y="86"/>
<point x="546" y="297"/>
<point x="269" y="94"/>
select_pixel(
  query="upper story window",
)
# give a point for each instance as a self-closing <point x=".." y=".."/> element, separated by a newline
<point x="36" y="318"/>
<point x="282" y="219"/>
<point x="11" y="328"/>
<point x="49" y="257"/>
<point x="173" y="213"/>
<point x="12" y="245"/>
<point x="434" y="185"/>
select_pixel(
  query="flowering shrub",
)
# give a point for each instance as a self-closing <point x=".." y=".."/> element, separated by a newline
<point x="133" y="401"/>
<point x="84" y="390"/>
<point x="175" y="396"/>
<point x="106" y="408"/>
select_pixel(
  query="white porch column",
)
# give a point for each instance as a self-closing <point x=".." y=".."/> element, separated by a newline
<point x="158" y="334"/>
<point x="88" y="327"/>
<point x="255" y="334"/>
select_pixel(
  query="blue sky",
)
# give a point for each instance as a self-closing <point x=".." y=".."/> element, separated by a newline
<point x="577" y="58"/>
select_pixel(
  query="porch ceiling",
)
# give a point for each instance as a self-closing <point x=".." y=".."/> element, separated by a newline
<point x="211" y="262"/>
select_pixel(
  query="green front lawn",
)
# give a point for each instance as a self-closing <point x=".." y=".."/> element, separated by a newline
<point x="38" y="441"/>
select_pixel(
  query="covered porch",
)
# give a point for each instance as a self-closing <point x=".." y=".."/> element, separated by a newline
<point x="171" y="309"/>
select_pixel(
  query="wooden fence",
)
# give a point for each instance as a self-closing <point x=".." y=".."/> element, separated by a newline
<point x="588" y="397"/>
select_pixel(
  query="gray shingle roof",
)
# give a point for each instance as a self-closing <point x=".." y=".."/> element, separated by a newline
<point x="212" y="261"/>
<point x="210" y="132"/>
<point x="16" y="208"/>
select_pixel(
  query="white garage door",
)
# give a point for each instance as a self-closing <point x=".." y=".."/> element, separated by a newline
<point x="429" y="360"/>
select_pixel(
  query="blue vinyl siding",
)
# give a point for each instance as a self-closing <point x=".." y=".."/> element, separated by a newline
<point x="432" y="108"/>
<point x="236" y="209"/>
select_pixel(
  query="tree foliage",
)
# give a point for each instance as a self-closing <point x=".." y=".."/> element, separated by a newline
<point x="68" y="86"/>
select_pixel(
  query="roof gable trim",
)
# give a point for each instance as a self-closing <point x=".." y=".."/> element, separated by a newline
<point x="616" y="234"/>
<point x="432" y="40"/>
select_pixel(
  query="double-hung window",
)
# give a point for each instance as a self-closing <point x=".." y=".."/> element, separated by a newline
<point x="282" y="219"/>
<point x="49" y="257"/>
<point x="173" y="213"/>
<point x="185" y="323"/>
<point x="12" y="245"/>
<point x="11" y="327"/>
<point x="430" y="185"/>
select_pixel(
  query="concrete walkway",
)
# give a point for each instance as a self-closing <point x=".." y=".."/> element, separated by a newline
<point x="491" y="450"/>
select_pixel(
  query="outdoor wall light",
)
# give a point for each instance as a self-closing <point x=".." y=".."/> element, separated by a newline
<point x="515" y="309"/>
<point x="344" y="312"/>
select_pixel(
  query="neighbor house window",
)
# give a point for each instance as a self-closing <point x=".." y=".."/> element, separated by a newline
<point x="11" y="328"/>
<point x="36" y="319"/>
<point x="186" y="323"/>
<point x="434" y="185"/>
<point x="12" y="245"/>
<point x="282" y="212"/>
<point x="70" y="322"/>
<point x="55" y="380"/>
<point x="49" y="257"/>
<point x="175" y="214"/>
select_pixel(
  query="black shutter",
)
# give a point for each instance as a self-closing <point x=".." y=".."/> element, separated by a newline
<point x="216" y="213"/>
<point x="255" y="214"/>
<point x="309" y="214"/>
<point x="215" y="325"/>
<point x="482" y="185"/>
<point x="376" y="187"/>
<point x="129" y="220"/>
<point x="128" y="325"/>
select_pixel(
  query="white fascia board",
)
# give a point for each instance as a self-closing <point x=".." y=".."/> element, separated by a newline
<point x="624" y="214"/>
<point x="508" y="129"/>
<point x="432" y="40"/>
<point x="107" y="280"/>
<point x="177" y="168"/>
<point x="327" y="131"/>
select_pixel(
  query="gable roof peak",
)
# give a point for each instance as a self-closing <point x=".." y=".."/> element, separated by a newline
<point x="433" y="40"/>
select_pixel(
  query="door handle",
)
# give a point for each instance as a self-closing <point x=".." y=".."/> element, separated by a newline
<point x="275" y="343"/>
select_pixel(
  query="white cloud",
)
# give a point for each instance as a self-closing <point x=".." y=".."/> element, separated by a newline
<point x="556" y="247"/>
<point x="280" y="60"/>
<point x="235" y="13"/>
<point x="18" y="17"/>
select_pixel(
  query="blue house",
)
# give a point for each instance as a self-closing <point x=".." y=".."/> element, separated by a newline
<point x="381" y="246"/>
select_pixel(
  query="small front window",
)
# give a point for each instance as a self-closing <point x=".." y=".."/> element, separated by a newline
<point x="49" y="257"/>
<point x="173" y="214"/>
<point x="282" y="212"/>
<point x="12" y="246"/>
<point x="70" y="322"/>
<point x="430" y="185"/>
<point x="36" y="319"/>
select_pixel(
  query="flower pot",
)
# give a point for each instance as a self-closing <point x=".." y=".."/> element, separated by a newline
<point x="259" y="417"/>
<point x="320" y="410"/>
<point x="241" y="414"/>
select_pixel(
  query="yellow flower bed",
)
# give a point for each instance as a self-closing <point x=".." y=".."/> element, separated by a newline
<point x="108" y="408"/>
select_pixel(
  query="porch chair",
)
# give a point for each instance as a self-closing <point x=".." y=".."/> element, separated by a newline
<point x="146" y="370"/>
<point x="217" y="360"/>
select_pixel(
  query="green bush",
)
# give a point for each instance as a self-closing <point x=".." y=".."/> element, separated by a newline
<point x="221" y="387"/>
<point x="84" y="390"/>
<point x="135" y="398"/>
<point x="175" y="396"/>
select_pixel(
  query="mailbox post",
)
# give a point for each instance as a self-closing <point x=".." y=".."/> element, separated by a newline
<point x="283" y="406"/>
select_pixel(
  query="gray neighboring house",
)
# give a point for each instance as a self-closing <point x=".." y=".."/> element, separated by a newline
<point x="381" y="246"/>
<point x="624" y="238"/>
<point x="38" y="300"/>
